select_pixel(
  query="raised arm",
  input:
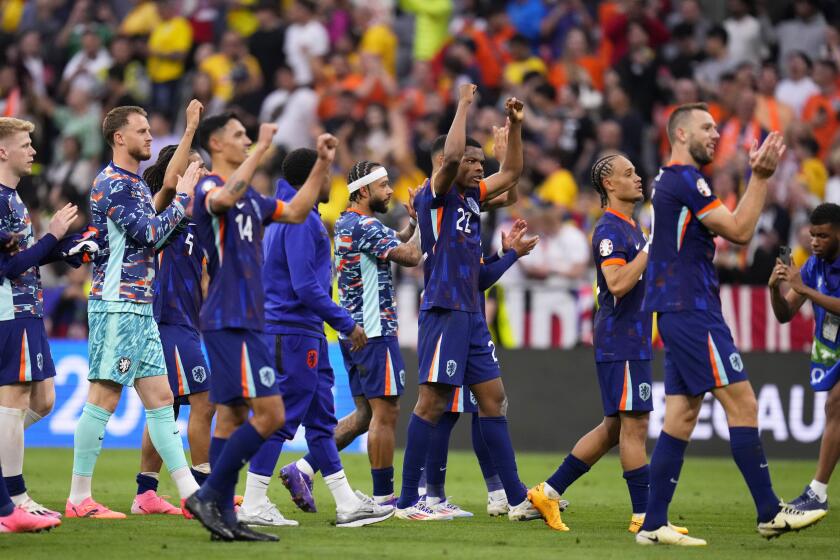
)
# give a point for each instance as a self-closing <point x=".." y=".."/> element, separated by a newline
<point x="456" y="142"/>
<point x="301" y="205"/>
<point x="180" y="159"/>
<point x="739" y="226"/>
<point x="512" y="164"/>
<point x="225" y="198"/>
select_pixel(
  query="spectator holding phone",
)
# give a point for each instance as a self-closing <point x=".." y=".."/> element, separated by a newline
<point x="819" y="282"/>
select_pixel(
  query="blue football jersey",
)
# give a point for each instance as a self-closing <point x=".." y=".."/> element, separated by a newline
<point x="824" y="277"/>
<point x="177" y="296"/>
<point x="622" y="329"/>
<point x="21" y="296"/>
<point x="680" y="273"/>
<point x="128" y="231"/>
<point x="365" y="284"/>
<point x="450" y="238"/>
<point x="233" y="246"/>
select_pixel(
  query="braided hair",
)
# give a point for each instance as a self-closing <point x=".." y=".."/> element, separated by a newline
<point x="602" y="168"/>
<point x="154" y="174"/>
<point x="359" y="170"/>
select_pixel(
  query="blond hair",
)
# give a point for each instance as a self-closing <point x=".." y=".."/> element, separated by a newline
<point x="11" y="125"/>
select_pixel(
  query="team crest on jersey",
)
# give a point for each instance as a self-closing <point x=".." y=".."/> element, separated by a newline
<point x="703" y="187"/>
<point x="39" y="359"/>
<point x="208" y="185"/>
<point x="402" y="377"/>
<point x="451" y="367"/>
<point x="124" y="364"/>
<point x="644" y="391"/>
<point x="735" y="362"/>
<point x="199" y="374"/>
<point x="267" y="376"/>
<point x="472" y="398"/>
<point x="312" y="359"/>
<point x="473" y="205"/>
<point x="605" y="247"/>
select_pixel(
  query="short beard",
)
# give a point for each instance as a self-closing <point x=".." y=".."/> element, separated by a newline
<point x="379" y="206"/>
<point x="699" y="154"/>
<point x="140" y="155"/>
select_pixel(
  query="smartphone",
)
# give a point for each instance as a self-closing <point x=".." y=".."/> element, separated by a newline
<point x="784" y="254"/>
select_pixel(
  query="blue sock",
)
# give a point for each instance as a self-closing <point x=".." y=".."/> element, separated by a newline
<point x="416" y="449"/>
<point x="217" y="444"/>
<point x="383" y="481"/>
<point x="264" y="460"/>
<point x="494" y="430"/>
<point x="485" y="459"/>
<point x="571" y="470"/>
<point x="15" y="485"/>
<point x="665" y="466"/>
<point x="749" y="456"/>
<point x="6" y="504"/>
<point x="199" y="476"/>
<point x="221" y="484"/>
<point x="311" y="460"/>
<point x="438" y="455"/>
<point x="146" y="483"/>
<point x="638" y="481"/>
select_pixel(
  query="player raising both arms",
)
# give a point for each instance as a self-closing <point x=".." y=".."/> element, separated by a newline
<point x="124" y="344"/>
<point x="364" y="251"/>
<point x="230" y="216"/>
<point x="682" y="287"/>
<point x="622" y="347"/>
<point x="177" y="303"/>
<point x="818" y="281"/>
<point x="454" y="343"/>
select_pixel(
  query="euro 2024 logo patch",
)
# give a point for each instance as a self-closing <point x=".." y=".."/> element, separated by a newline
<point x="267" y="376"/>
<point x="703" y="187"/>
<point x="605" y="247"/>
<point x="199" y="374"/>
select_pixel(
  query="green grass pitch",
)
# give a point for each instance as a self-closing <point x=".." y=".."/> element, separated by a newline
<point x="712" y="501"/>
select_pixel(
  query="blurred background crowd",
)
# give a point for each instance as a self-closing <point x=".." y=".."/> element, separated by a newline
<point x="382" y="75"/>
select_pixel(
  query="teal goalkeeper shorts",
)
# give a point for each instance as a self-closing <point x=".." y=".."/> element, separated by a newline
<point x="124" y="342"/>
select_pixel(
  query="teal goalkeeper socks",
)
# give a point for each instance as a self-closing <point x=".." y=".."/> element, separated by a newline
<point x="87" y="440"/>
<point x="166" y="437"/>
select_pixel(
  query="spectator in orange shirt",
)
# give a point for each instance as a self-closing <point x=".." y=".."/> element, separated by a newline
<point x="770" y="112"/>
<point x="500" y="31"/>
<point x="578" y="65"/>
<point x="740" y="130"/>
<point x="822" y="109"/>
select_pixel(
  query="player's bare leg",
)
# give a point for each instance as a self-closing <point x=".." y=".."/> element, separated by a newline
<point x="354" y="424"/>
<point x="41" y="401"/>
<point x="774" y="518"/>
<point x="382" y="432"/>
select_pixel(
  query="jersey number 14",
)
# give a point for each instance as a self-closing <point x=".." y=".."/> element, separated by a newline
<point x="246" y="230"/>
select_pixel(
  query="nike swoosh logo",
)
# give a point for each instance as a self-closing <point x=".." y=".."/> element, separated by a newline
<point x="176" y="432"/>
<point x="653" y="539"/>
<point x="442" y="469"/>
<point x="674" y="481"/>
<point x="240" y="205"/>
<point x="764" y="465"/>
<point x="637" y="246"/>
<point x="101" y="438"/>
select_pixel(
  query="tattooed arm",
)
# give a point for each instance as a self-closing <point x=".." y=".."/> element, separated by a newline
<point x="223" y="199"/>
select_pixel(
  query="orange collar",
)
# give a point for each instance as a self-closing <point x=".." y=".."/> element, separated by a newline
<point x="356" y="211"/>
<point x="622" y="216"/>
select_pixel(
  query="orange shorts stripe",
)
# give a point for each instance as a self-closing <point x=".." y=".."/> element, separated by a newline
<point x="715" y="372"/>
<point x="622" y="404"/>
<point x="23" y="358"/>
<point x="244" y="368"/>
<point x="387" y="373"/>
<point x="455" y="396"/>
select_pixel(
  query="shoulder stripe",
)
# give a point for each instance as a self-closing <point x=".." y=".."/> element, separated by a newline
<point x="708" y="208"/>
<point x="613" y="262"/>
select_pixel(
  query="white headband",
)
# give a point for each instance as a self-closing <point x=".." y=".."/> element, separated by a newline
<point x="377" y="173"/>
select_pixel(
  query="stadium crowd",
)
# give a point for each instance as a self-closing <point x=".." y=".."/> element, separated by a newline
<point x="382" y="76"/>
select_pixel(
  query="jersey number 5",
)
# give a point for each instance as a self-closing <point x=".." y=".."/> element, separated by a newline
<point x="189" y="243"/>
<point x="246" y="230"/>
<point x="463" y="223"/>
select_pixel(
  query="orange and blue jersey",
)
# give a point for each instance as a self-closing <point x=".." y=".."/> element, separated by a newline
<point x="450" y="238"/>
<point x="128" y="231"/>
<point x="622" y="329"/>
<point x="232" y="242"/>
<point x="365" y="283"/>
<point x="680" y="273"/>
<point x="177" y="291"/>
